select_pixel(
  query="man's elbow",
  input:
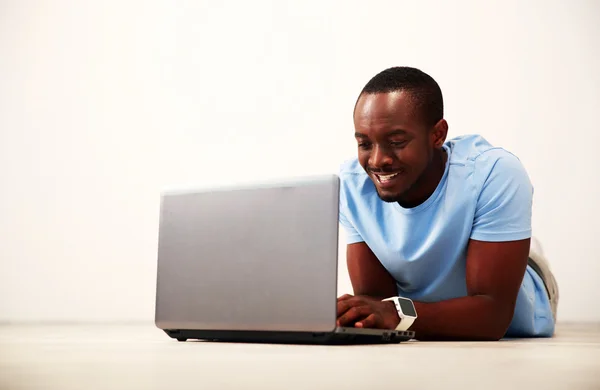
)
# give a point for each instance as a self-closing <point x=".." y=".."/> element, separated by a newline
<point x="495" y="334"/>
<point x="499" y="321"/>
<point x="491" y="332"/>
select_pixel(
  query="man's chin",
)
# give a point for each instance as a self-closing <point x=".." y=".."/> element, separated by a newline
<point x="388" y="196"/>
<point x="391" y="194"/>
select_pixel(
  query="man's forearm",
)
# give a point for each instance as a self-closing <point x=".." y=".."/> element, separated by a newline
<point x="468" y="318"/>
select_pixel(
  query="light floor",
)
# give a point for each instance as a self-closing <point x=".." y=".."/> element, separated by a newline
<point x="142" y="357"/>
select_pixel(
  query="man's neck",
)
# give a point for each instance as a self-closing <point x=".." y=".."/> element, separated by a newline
<point x="428" y="182"/>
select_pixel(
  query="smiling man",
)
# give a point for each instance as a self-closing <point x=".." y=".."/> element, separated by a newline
<point x="443" y="224"/>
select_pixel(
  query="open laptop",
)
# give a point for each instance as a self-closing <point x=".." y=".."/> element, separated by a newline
<point x="254" y="263"/>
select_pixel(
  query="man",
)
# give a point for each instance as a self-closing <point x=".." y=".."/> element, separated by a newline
<point x="444" y="223"/>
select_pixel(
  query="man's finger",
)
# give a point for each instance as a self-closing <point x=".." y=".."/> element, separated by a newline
<point x="354" y="314"/>
<point x="343" y="305"/>
<point x="345" y="297"/>
<point x="372" y="321"/>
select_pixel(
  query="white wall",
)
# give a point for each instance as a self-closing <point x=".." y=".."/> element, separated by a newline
<point x="102" y="104"/>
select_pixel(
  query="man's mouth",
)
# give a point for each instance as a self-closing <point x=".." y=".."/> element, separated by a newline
<point x="386" y="178"/>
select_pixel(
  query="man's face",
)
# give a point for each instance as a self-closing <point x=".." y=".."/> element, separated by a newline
<point x="395" y="147"/>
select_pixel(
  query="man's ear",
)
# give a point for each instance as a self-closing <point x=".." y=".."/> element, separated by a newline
<point x="439" y="133"/>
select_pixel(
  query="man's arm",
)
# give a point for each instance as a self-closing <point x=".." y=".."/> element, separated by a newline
<point x="494" y="273"/>
<point x="367" y="275"/>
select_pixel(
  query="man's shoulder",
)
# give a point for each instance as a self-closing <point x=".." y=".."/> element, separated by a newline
<point x="351" y="167"/>
<point x="470" y="147"/>
<point x="352" y="173"/>
<point x="354" y="182"/>
<point x="503" y="192"/>
<point x="474" y="151"/>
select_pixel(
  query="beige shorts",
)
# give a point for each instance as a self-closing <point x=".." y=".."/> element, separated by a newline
<point x="539" y="263"/>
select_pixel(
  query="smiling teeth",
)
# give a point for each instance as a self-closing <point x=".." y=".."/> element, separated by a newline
<point x="386" y="177"/>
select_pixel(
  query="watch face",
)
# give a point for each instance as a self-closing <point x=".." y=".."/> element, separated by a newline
<point x="407" y="307"/>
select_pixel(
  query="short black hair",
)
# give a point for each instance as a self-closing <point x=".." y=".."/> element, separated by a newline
<point x="424" y="90"/>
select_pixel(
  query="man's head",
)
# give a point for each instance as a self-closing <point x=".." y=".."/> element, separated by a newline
<point x="400" y="130"/>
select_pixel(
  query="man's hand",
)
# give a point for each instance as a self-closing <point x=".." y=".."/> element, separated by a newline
<point x="366" y="312"/>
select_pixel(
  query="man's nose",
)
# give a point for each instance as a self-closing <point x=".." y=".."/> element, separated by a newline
<point x="380" y="157"/>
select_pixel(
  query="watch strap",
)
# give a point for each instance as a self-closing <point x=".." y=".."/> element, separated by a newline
<point x="405" y="321"/>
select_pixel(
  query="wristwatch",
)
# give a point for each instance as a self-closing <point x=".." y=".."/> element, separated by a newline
<point x="406" y="312"/>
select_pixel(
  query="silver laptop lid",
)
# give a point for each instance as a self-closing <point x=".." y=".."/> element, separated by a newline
<point x="260" y="257"/>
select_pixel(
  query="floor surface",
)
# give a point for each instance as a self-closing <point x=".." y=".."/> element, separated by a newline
<point x="143" y="357"/>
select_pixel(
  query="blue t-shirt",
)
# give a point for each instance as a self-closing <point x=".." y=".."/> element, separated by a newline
<point x="484" y="194"/>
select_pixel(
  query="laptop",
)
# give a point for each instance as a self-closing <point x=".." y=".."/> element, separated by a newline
<point x="254" y="263"/>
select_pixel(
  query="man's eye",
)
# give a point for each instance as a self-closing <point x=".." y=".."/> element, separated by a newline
<point x="364" y="145"/>
<point x="399" y="144"/>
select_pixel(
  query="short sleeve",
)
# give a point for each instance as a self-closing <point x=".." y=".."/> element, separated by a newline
<point x="504" y="205"/>
<point x="352" y="236"/>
